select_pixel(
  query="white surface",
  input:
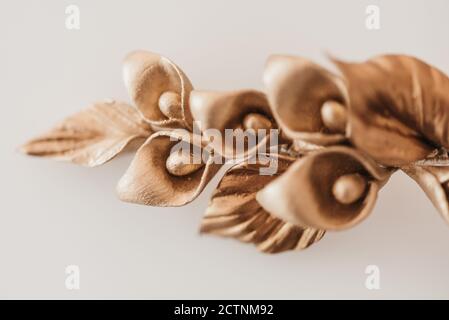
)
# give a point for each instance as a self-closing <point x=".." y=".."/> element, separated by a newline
<point x="57" y="214"/>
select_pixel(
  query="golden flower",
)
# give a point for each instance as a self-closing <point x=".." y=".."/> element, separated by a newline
<point x="159" y="89"/>
<point x="243" y="112"/>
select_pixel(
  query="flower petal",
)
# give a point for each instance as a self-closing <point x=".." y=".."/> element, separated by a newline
<point x="234" y="212"/>
<point x="399" y="109"/>
<point x="305" y="193"/>
<point x="297" y="90"/>
<point x="155" y="83"/>
<point x="148" y="181"/>
<point x="93" y="136"/>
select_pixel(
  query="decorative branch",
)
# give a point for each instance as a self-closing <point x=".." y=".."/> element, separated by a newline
<point x="334" y="140"/>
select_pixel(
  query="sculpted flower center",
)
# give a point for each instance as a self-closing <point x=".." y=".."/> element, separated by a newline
<point x="170" y="104"/>
<point x="334" y="116"/>
<point x="349" y="188"/>
<point x="182" y="164"/>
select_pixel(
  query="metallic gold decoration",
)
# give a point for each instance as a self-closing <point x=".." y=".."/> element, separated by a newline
<point x="230" y="110"/>
<point x="166" y="104"/>
<point x="305" y="194"/>
<point x="342" y="135"/>
<point x="151" y="179"/>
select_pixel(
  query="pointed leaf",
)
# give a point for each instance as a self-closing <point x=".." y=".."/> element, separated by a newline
<point x="93" y="136"/>
<point x="399" y="108"/>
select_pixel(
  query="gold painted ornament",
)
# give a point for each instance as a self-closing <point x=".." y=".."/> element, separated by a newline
<point x="341" y="136"/>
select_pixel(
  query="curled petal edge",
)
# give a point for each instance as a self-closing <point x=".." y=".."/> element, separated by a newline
<point x="148" y="182"/>
<point x="298" y="86"/>
<point x="303" y="194"/>
<point x="147" y="76"/>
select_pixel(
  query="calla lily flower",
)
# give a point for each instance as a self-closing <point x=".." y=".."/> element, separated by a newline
<point x="298" y="90"/>
<point x="331" y="189"/>
<point x="160" y="177"/>
<point x="159" y="89"/>
<point x="243" y="112"/>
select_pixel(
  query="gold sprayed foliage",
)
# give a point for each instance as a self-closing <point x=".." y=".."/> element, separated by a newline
<point x="342" y="135"/>
<point x="93" y="136"/>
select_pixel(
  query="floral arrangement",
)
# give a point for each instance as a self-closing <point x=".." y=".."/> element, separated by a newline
<point x="340" y="137"/>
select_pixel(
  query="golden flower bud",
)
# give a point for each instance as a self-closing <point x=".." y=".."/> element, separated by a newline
<point x="349" y="188"/>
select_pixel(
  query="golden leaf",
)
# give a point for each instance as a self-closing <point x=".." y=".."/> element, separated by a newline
<point x="297" y="90"/>
<point x="234" y="212"/>
<point x="93" y="136"/>
<point x="399" y="108"/>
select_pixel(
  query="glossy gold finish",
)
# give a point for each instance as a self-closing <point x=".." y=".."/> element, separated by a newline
<point x="341" y="136"/>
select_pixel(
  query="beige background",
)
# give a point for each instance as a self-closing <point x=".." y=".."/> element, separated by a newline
<point x="56" y="214"/>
